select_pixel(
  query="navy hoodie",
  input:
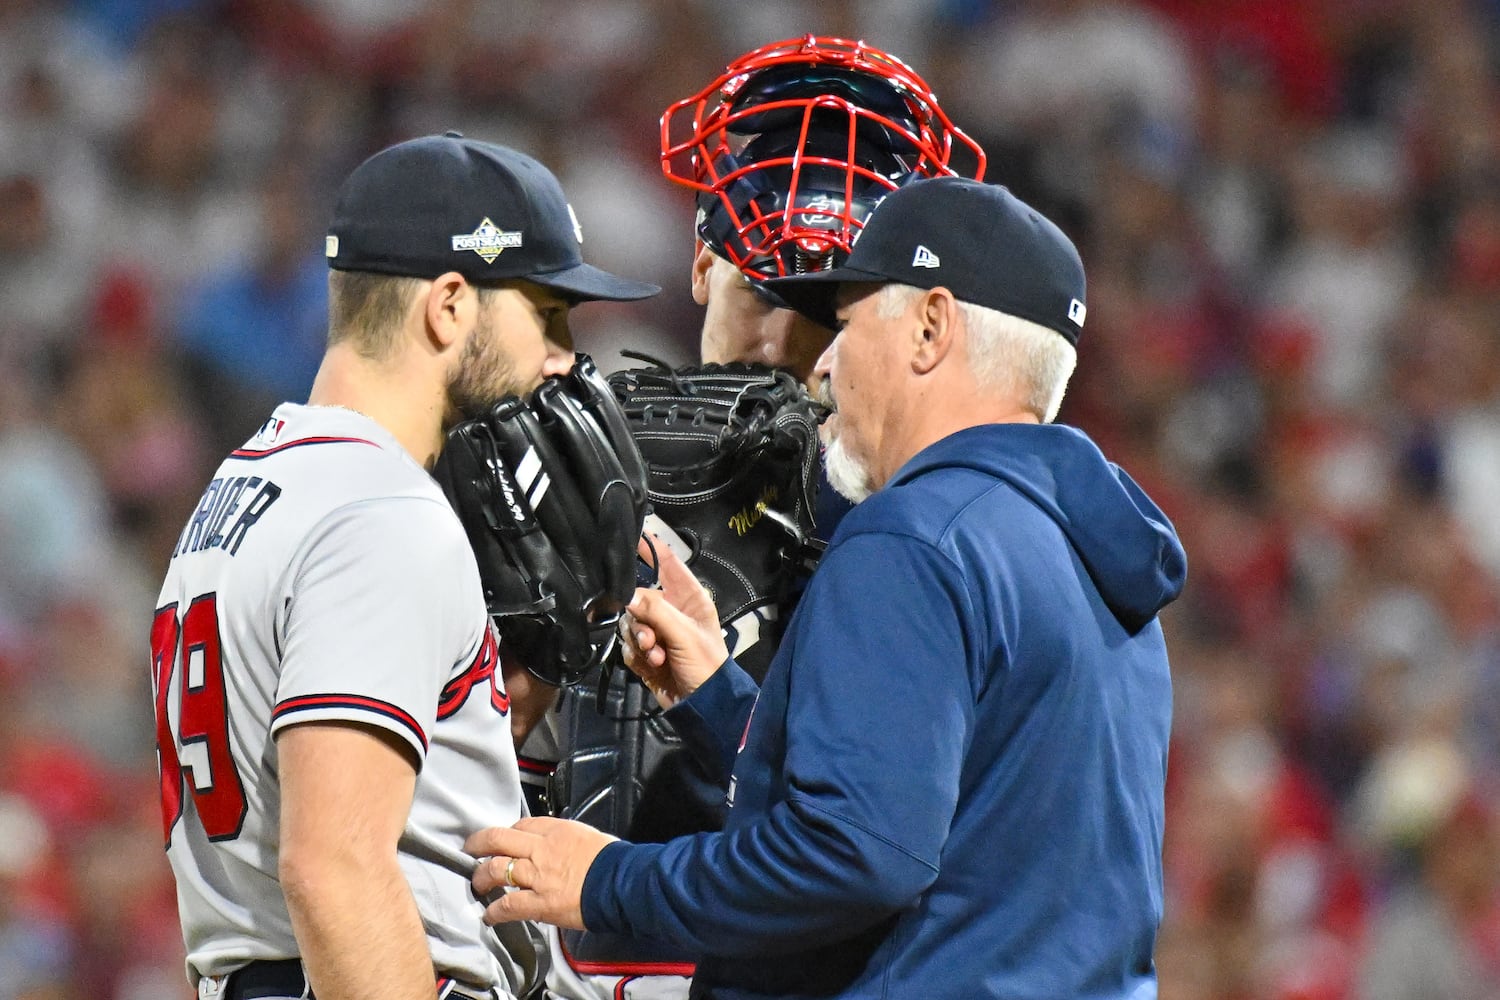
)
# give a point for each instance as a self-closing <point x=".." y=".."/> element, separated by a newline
<point x="951" y="781"/>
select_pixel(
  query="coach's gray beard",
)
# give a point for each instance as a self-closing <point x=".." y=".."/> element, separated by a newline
<point x="846" y="474"/>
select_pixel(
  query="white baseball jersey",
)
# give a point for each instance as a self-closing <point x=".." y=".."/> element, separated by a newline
<point x="324" y="576"/>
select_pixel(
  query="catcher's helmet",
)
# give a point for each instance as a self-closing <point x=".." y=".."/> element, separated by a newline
<point x="794" y="144"/>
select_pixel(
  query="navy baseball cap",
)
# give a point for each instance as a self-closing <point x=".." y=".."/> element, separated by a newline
<point x="977" y="240"/>
<point x="447" y="203"/>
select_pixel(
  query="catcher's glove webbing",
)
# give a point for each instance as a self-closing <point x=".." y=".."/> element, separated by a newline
<point x="731" y="455"/>
<point x="551" y="491"/>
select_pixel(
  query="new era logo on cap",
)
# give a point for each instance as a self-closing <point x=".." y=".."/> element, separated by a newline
<point x="1076" y="311"/>
<point x="925" y="258"/>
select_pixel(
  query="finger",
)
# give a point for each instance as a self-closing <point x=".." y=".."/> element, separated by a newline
<point x="507" y="908"/>
<point x="658" y="620"/>
<point x="507" y="840"/>
<point x="518" y="904"/>
<point x="638" y="602"/>
<point x="628" y="629"/>
<point x="644" y="637"/>
<point x="639" y="663"/>
<point x="673" y="572"/>
<point x="633" y="632"/>
<point x="633" y="658"/>
<point x="651" y="608"/>
<point x="686" y="592"/>
<point x="669" y="626"/>
<point x="537" y="827"/>
<point x="519" y="873"/>
<point x="489" y="875"/>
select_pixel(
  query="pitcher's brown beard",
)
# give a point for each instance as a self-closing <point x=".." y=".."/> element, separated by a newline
<point x="482" y="377"/>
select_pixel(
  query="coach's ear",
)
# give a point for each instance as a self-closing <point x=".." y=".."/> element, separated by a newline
<point x="450" y="311"/>
<point x="936" y="324"/>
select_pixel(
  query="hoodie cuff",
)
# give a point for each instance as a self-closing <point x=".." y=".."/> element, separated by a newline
<point x="606" y="886"/>
<point x="712" y="719"/>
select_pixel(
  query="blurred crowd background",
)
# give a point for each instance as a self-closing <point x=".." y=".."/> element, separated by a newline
<point x="1290" y="215"/>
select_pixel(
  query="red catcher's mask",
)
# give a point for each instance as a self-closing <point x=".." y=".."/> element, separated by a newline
<point x="795" y="143"/>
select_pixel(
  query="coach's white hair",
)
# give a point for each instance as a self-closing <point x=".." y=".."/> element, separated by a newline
<point x="1006" y="353"/>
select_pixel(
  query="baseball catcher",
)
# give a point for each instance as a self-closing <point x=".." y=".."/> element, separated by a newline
<point x="788" y="152"/>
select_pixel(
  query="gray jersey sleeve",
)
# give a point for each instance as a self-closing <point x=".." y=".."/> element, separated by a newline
<point x="375" y="610"/>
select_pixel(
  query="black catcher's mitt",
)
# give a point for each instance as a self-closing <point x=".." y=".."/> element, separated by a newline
<point x="552" y="493"/>
<point x="731" y="455"/>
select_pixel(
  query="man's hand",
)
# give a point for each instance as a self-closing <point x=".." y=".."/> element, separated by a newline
<point x="672" y="639"/>
<point x="537" y="866"/>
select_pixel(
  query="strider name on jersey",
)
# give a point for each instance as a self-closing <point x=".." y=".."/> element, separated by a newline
<point x="221" y="505"/>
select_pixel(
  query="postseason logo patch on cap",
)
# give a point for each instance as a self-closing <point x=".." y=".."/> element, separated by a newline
<point x="488" y="240"/>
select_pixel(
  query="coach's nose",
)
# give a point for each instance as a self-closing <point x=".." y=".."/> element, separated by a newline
<point x="823" y="367"/>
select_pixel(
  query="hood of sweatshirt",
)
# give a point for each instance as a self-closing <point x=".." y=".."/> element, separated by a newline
<point x="1128" y="545"/>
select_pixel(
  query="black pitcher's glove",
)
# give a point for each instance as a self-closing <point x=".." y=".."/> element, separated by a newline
<point x="731" y="456"/>
<point x="552" y="493"/>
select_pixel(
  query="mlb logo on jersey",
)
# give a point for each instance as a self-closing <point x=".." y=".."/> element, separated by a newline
<point x="271" y="430"/>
